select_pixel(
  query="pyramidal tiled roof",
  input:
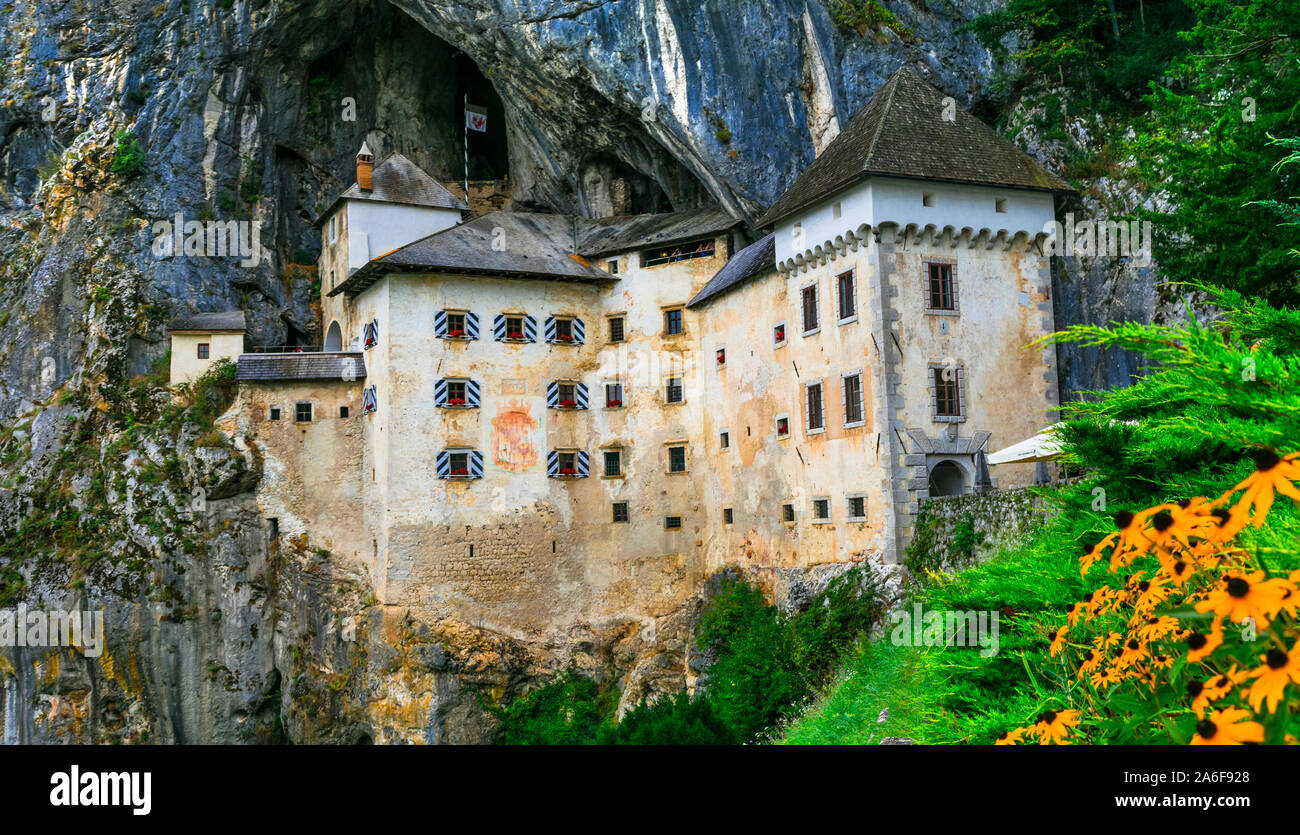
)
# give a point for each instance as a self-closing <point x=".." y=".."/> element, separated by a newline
<point x="398" y="180"/>
<point x="902" y="132"/>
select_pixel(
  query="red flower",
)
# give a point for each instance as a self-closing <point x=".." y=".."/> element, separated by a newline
<point x="614" y="403"/>
<point x="515" y="335"/>
<point x="721" y="359"/>
<point x="568" y="404"/>
<point x="568" y="471"/>
<point x="564" y="337"/>
<point x="370" y="340"/>
<point x="460" y="471"/>
<point x="456" y="401"/>
<point x="457" y="334"/>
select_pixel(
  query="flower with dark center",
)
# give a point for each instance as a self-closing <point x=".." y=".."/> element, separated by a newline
<point x="1206" y="729"/>
<point x="1184" y="503"/>
<point x="1194" y="688"/>
<point x="1123" y="519"/>
<point x="1265" y="459"/>
<point x="1133" y="644"/>
<point x="1162" y="521"/>
<point x="1196" y="640"/>
<point x="1277" y="659"/>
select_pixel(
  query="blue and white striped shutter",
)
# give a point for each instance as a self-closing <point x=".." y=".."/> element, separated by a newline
<point x="550" y="329"/>
<point x="369" y="400"/>
<point x="440" y="393"/>
<point x="530" y="328"/>
<point x="584" y="464"/>
<point x="444" y="464"/>
<point x="552" y="463"/>
<point x="579" y="332"/>
<point x="440" y="323"/>
<point x="476" y="464"/>
<point x="580" y="395"/>
<point x="552" y="395"/>
<point x="499" y="328"/>
<point x="471" y="325"/>
<point x="370" y="334"/>
<point x="471" y="394"/>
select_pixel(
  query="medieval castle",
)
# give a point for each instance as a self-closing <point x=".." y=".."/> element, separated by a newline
<point x="529" y="421"/>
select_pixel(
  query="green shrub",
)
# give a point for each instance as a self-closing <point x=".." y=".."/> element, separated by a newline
<point x="569" y="711"/>
<point x="128" y="158"/>
<point x="673" y="720"/>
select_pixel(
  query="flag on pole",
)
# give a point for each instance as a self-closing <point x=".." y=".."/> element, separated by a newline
<point x="476" y="118"/>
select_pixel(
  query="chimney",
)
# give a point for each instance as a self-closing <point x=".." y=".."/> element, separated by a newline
<point x="365" y="168"/>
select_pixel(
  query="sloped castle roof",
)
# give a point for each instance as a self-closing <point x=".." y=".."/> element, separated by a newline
<point x="398" y="180"/>
<point x="903" y="132"/>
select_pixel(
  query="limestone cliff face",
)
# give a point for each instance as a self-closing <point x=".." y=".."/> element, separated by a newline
<point x="252" y="110"/>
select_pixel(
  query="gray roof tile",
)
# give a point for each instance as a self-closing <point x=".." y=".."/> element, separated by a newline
<point x="902" y="133"/>
<point x="751" y="262"/>
<point x="398" y="180"/>
<point x="304" y="366"/>
<point x="231" y="321"/>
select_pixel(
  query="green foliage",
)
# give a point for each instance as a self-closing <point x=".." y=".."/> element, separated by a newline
<point x="128" y="158"/>
<point x="212" y="392"/>
<point x="569" y="711"/>
<point x="673" y="720"/>
<point x="863" y="16"/>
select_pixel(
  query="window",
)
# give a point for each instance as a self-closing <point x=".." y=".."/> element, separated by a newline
<point x="724" y="440"/>
<point x="783" y="426"/>
<point x="847" y="295"/>
<point x="676" y="459"/>
<point x="620" y="511"/>
<point x="514" y="327"/>
<point x="455" y="324"/>
<point x="611" y="266"/>
<point x="566" y="395"/>
<point x="816" y="418"/>
<point x="927" y="199"/>
<point x="857" y="506"/>
<point x="613" y="395"/>
<point x="821" y="509"/>
<point x="460" y="463"/>
<point x="456" y="393"/>
<point x="672" y="523"/>
<point x="203" y="350"/>
<point x="727" y="516"/>
<point x="302" y="412"/>
<point x="274" y="413"/>
<point x="808" y="296"/>
<point x="787" y="513"/>
<point x="567" y="464"/>
<point x="947" y="392"/>
<point x="939" y="290"/>
<point x="673" y="321"/>
<point x="370" y="333"/>
<point x="334" y="229"/>
<point x="835" y="210"/>
<point x="613" y="463"/>
<point x="369" y="400"/>
<point x="1000" y="205"/>
<point x="778" y="335"/>
<point x="616" y="332"/>
<point x="565" y="330"/>
<point x="673" y="390"/>
<point x="852" y="399"/>
<point x="343" y="411"/>
<point x="669" y="253"/>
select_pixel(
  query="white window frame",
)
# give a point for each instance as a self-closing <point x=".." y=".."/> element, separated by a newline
<point x="848" y="507"/>
<point x="852" y="317"/>
<point x="777" y="426"/>
<point x="862" y="400"/>
<point x="817" y="303"/>
<point x="809" y="429"/>
<point x="785" y="335"/>
<point x="830" y="511"/>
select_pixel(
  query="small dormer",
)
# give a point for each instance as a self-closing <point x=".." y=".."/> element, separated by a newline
<point x="390" y="205"/>
<point x="201" y="339"/>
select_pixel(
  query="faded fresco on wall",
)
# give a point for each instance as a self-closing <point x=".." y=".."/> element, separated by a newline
<point x="515" y="436"/>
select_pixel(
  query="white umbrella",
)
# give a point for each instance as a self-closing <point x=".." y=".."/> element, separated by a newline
<point x="1044" y="446"/>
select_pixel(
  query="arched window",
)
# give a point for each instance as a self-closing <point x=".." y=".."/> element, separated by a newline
<point x="334" y="337"/>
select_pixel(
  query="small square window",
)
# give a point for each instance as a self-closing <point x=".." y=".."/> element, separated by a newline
<point x="456" y="325"/>
<point x="566" y="395"/>
<point x="927" y="199"/>
<point x="613" y="395"/>
<point x="620" y="511"/>
<point x="778" y="335"/>
<point x="672" y="523"/>
<point x="857" y="508"/>
<point x="515" y="328"/>
<point x="343" y="411"/>
<point x="456" y="393"/>
<point x="822" y="510"/>
<point x="616" y="332"/>
<point x="724" y="440"/>
<point x="613" y="463"/>
<point x="564" y="330"/>
<point x="1000" y="205"/>
<point x="787" y="513"/>
<point x="727" y="516"/>
<point x="568" y="463"/>
<point x="458" y="463"/>
<point x="676" y="459"/>
<point x="783" y="426"/>
<point x="673" y="390"/>
<point x="673" y="321"/>
<point x="274" y="413"/>
<point x="611" y="266"/>
<point x="720" y="355"/>
<point x="302" y="412"/>
<point x="203" y="350"/>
